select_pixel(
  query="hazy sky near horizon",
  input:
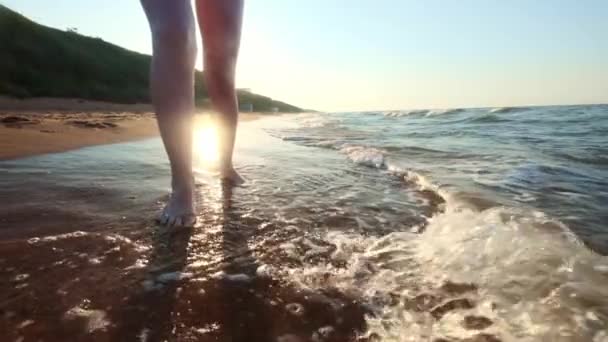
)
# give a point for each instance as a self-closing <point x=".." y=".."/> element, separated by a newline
<point x="391" y="54"/>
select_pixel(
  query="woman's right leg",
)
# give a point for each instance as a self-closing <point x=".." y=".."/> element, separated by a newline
<point x="172" y="91"/>
<point x="220" y="24"/>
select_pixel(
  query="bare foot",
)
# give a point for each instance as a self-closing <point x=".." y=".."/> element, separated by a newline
<point x="231" y="176"/>
<point x="179" y="212"/>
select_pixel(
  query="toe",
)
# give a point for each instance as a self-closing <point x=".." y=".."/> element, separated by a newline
<point x="171" y="221"/>
<point x="189" y="220"/>
<point x="163" y="218"/>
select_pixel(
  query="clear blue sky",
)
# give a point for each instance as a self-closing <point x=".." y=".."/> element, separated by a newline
<point x="391" y="54"/>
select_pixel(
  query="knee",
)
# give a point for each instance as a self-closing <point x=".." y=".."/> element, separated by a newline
<point x="219" y="83"/>
<point x="219" y="73"/>
<point x="175" y="37"/>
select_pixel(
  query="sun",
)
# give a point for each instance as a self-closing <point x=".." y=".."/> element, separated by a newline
<point x="205" y="144"/>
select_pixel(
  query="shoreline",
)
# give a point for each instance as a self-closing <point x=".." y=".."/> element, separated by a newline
<point x="48" y="125"/>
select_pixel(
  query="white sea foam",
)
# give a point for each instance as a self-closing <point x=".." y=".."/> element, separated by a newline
<point x="95" y="319"/>
<point x="207" y="328"/>
<point x="401" y="113"/>
<point x="312" y="120"/>
<point x="417" y="111"/>
<point x="51" y="238"/>
<point x="362" y="155"/>
<point x="436" y="112"/>
<point x="507" y="109"/>
<point x="533" y="279"/>
<point x="117" y="238"/>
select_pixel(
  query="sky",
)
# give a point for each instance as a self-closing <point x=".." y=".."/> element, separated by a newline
<point x="355" y="55"/>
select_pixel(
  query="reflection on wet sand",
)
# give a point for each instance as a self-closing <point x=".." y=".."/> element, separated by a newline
<point x="145" y="283"/>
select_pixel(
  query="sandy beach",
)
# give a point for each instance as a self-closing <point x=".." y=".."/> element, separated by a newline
<point x="44" y="125"/>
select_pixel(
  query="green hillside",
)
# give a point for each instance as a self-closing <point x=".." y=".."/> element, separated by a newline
<point x="36" y="61"/>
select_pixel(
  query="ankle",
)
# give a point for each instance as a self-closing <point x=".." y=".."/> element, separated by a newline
<point x="226" y="167"/>
<point x="183" y="184"/>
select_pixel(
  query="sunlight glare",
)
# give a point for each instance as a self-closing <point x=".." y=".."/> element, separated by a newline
<point x="205" y="143"/>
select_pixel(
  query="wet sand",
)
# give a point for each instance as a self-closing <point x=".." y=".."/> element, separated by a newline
<point x="102" y="280"/>
<point x="39" y="126"/>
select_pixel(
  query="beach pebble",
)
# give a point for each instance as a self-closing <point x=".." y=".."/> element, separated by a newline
<point x="289" y="338"/>
<point x="295" y="309"/>
<point x="239" y="277"/>
<point x="21" y="277"/>
<point x="264" y="271"/>
<point x="173" y="276"/>
<point x="476" y="322"/>
<point x="95" y="319"/>
<point x="143" y="335"/>
<point x="150" y="285"/>
<point x="25" y="323"/>
<point x="590" y="315"/>
<point x="323" y="334"/>
<point x="95" y="261"/>
<point x="139" y="264"/>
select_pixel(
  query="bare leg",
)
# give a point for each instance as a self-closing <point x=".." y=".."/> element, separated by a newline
<point x="172" y="90"/>
<point x="220" y="24"/>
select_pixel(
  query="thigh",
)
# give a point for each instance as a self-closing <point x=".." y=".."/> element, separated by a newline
<point x="170" y="18"/>
<point x="220" y="23"/>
